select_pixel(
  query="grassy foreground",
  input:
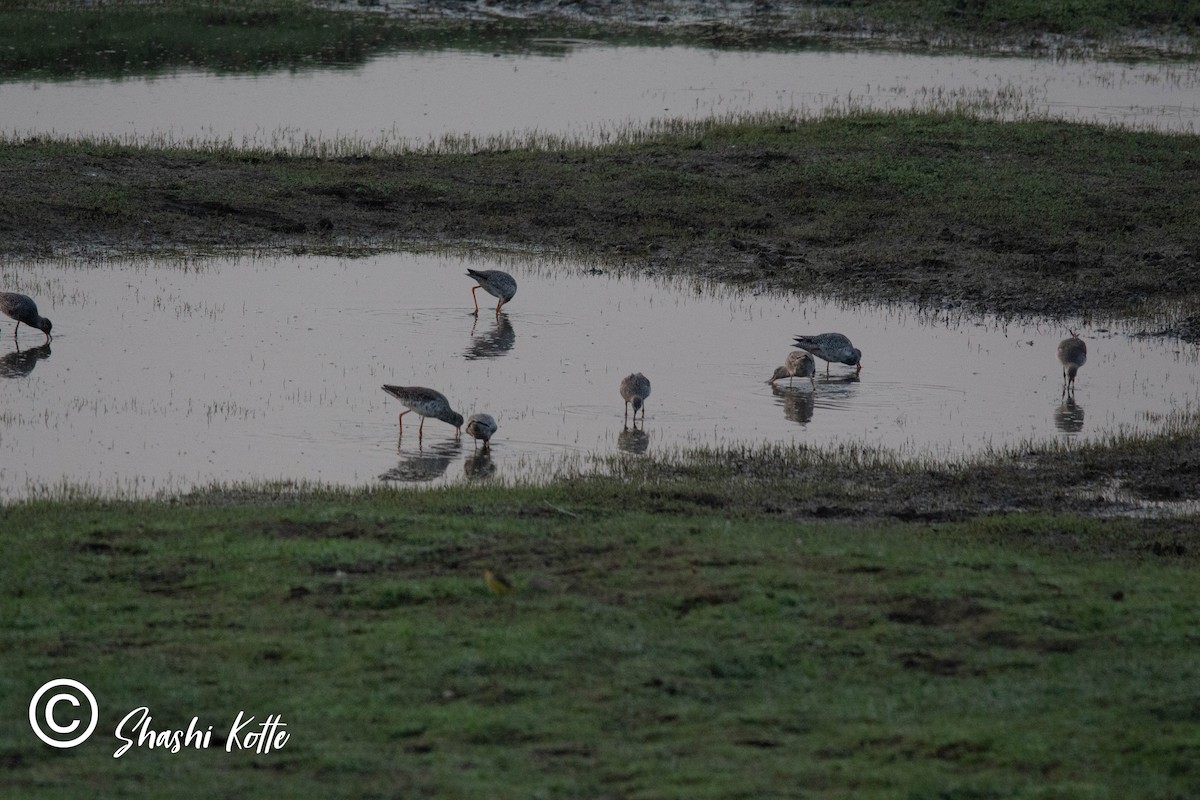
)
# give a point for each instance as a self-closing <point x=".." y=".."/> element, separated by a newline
<point x="693" y="654"/>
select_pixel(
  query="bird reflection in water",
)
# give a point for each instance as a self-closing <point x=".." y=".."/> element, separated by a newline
<point x="492" y="343"/>
<point x="1068" y="417"/>
<point x="479" y="466"/>
<point x="798" y="404"/>
<point x="424" y="464"/>
<point x="20" y="363"/>
<point x="633" y="440"/>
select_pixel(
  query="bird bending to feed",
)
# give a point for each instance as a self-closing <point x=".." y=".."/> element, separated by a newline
<point x="22" y="308"/>
<point x="831" y="347"/>
<point x="1072" y="354"/>
<point x="499" y="584"/>
<point x="635" y="389"/>
<point x="427" y="403"/>
<point x="494" y="282"/>
<point x="481" y="426"/>
<point x="799" y="362"/>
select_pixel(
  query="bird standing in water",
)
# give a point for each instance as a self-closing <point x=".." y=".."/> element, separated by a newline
<point x="481" y="426"/>
<point x="831" y="347"/>
<point x="635" y="389"/>
<point x="799" y="362"/>
<point x="1072" y="354"/>
<point x="22" y="308"/>
<point x="494" y="282"/>
<point x="427" y="403"/>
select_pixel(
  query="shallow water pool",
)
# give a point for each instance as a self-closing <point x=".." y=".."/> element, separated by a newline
<point x="165" y="377"/>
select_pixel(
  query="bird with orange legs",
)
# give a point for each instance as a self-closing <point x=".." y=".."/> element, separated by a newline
<point x="494" y="282"/>
<point x="427" y="403"/>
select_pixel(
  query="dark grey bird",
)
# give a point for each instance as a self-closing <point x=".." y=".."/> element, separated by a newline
<point x="830" y="348"/>
<point x="635" y="389"/>
<point x="494" y="282"/>
<point x="481" y="426"/>
<point x="427" y="403"/>
<point x="799" y="363"/>
<point x="22" y="308"/>
<point x="1072" y="354"/>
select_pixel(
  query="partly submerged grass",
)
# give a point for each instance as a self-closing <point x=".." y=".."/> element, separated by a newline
<point x="643" y="654"/>
<point x="1021" y="217"/>
<point x="1136" y="472"/>
<point x="123" y="37"/>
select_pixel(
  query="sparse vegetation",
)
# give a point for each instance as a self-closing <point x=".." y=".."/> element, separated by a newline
<point x="943" y="209"/>
<point x="684" y="625"/>
<point x="51" y="38"/>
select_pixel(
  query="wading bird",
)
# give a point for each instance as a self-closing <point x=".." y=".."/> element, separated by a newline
<point x="481" y="426"/>
<point x="427" y="403"/>
<point x="635" y="389"/>
<point x="831" y="347"/>
<point x="22" y="308"/>
<point x="1072" y="354"/>
<point x="494" y="282"/>
<point x="799" y="363"/>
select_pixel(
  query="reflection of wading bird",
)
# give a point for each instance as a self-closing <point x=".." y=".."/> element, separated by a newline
<point x="799" y="362"/>
<point x="831" y="347"/>
<point x="635" y="389"/>
<point x="22" y="308"/>
<point x="481" y="426"/>
<point x="494" y="282"/>
<point x="798" y="405"/>
<point x="427" y="403"/>
<point x="1068" y="417"/>
<point x="493" y="343"/>
<point x="1072" y="354"/>
<point x="499" y="584"/>
<point x="20" y="363"/>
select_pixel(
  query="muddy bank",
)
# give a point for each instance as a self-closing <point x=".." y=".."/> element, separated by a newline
<point x="1031" y="218"/>
<point x="1000" y="28"/>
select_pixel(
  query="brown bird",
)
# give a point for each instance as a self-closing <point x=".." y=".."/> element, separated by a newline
<point x="635" y="389"/>
<point x="1072" y="354"/>
<point x="499" y="584"/>
<point x="799" y="362"/>
<point x="481" y="426"/>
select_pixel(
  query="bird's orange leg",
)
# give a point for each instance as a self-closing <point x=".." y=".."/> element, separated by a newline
<point x="400" y="419"/>
<point x="476" y="299"/>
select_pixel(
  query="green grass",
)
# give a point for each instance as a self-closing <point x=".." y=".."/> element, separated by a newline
<point x="117" y="38"/>
<point x="695" y="654"/>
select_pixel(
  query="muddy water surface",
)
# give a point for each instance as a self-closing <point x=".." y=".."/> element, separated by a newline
<point x="164" y="377"/>
<point x="588" y="92"/>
